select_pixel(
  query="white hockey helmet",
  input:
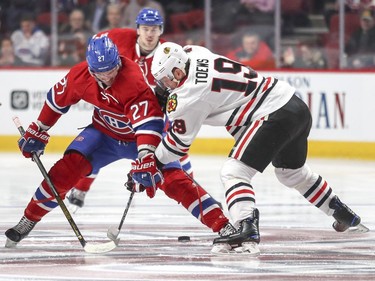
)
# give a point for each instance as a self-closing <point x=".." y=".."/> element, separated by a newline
<point x="167" y="57"/>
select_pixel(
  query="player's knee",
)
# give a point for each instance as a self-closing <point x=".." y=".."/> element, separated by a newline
<point x="68" y="170"/>
<point x="174" y="183"/>
<point x="235" y="170"/>
<point x="295" y="178"/>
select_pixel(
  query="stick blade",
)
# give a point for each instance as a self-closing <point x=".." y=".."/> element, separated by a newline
<point x="113" y="232"/>
<point x="100" y="248"/>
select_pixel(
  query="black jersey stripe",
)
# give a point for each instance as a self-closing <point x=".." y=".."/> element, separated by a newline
<point x="179" y="153"/>
<point x="177" y="140"/>
<point x="235" y="112"/>
<point x="248" y="119"/>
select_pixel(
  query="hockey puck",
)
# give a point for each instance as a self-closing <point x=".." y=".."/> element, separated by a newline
<point x="184" y="238"/>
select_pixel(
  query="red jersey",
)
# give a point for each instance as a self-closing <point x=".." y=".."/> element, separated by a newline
<point x="127" y="110"/>
<point x="126" y="41"/>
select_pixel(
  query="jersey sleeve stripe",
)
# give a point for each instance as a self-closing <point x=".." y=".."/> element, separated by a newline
<point x="177" y="140"/>
<point x="50" y="100"/>
<point x="145" y="120"/>
<point x="148" y="132"/>
<point x="248" y="120"/>
<point x="176" y="152"/>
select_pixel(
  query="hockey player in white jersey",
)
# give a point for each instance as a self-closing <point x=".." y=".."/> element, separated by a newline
<point x="268" y="122"/>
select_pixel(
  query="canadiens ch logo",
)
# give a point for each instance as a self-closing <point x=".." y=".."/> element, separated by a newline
<point x="171" y="103"/>
<point x="117" y="123"/>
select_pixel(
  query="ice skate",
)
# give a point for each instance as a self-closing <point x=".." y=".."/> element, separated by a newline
<point x="346" y="219"/>
<point x="245" y="240"/>
<point x="76" y="200"/>
<point x="223" y="248"/>
<point x="18" y="232"/>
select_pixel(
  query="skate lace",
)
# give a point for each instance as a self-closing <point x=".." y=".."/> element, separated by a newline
<point x="24" y="226"/>
<point x="228" y="229"/>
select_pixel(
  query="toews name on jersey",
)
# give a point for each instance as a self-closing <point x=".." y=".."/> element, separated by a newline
<point x="201" y="73"/>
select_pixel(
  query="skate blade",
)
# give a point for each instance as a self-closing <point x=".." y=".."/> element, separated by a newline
<point x="221" y="249"/>
<point x="360" y="228"/>
<point x="10" y="244"/>
<point x="247" y="248"/>
<point x="73" y="208"/>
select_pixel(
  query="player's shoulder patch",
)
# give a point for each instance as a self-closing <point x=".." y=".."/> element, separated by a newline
<point x="172" y="103"/>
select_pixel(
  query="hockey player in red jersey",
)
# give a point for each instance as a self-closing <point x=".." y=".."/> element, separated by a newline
<point x="268" y="122"/>
<point x="127" y="123"/>
<point x="116" y="88"/>
<point x="138" y="45"/>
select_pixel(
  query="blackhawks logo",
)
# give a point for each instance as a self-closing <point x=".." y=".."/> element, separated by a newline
<point x="171" y="103"/>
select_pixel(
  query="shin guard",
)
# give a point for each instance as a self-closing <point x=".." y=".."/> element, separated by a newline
<point x="64" y="174"/>
<point x="85" y="183"/>
<point x="194" y="198"/>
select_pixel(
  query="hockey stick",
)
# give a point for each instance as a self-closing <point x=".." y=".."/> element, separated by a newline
<point x="94" y="249"/>
<point x="113" y="232"/>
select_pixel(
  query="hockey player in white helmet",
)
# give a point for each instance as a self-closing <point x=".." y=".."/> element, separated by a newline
<point x="268" y="122"/>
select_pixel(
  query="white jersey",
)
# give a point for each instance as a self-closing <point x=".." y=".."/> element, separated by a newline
<point x="217" y="92"/>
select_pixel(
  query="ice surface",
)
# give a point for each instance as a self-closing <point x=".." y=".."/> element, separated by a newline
<point x="297" y="241"/>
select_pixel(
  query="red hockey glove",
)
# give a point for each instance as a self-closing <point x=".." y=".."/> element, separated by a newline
<point x="33" y="141"/>
<point x="146" y="173"/>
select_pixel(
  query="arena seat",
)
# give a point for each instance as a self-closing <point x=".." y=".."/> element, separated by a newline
<point x="186" y="21"/>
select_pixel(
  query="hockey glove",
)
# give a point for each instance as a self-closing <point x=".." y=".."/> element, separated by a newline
<point x="33" y="141"/>
<point x="132" y="186"/>
<point x="146" y="173"/>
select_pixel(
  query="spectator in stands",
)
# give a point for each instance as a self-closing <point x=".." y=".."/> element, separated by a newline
<point x="306" y="56"/>
<point x="132" y="9"/>
<point x="253" y="52"/>
<point x="260" y="15"/>
<point x="7" y="56"/>
<point x="95" y="13"/>
<point x="77" y="23"/>
<point x="331" y="7"/>
<point x="72" y="51"/>
<point x="13" y="11"/>
<point x="30" y="43"/>
<point x="73" y="38"/>
<point x="361" y="46"/>
<point x="113" y="14"/>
